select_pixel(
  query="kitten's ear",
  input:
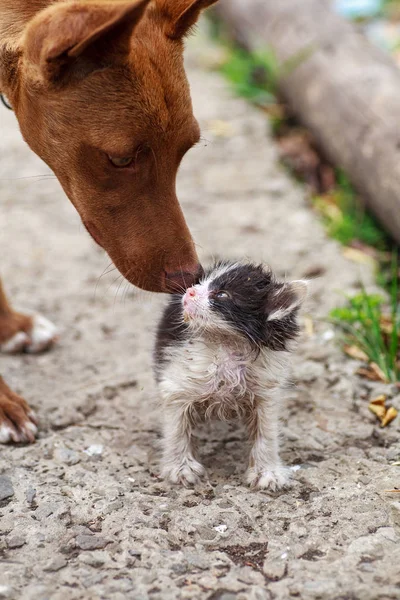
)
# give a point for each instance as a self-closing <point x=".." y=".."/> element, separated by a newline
<point x="286" y="299"/>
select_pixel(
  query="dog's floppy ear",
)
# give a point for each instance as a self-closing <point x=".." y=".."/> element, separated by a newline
<point x="182" y="15"/>
<point x="62" y="36"/>
<point x="287" y="298"/>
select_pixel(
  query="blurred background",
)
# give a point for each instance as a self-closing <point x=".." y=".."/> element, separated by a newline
<point x="325" y="72"/>
<point x="298" y="167"/>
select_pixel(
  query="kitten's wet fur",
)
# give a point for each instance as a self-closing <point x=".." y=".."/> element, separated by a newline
<point x="222" y="351"/>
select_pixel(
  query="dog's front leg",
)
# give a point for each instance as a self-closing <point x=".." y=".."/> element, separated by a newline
<point x="265" y="467"/>
<point x="17" y="420"/>
<point x="19" y="332"/>
<point x="178" y="462"/>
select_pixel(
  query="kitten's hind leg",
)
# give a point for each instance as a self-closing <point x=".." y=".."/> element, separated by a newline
<point x="178" y="462"/>
<point x="265" y="468"/>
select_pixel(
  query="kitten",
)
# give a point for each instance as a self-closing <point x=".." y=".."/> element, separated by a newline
<point x="222" y="351"/>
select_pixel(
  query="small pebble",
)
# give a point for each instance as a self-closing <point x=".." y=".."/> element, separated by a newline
<point x="91" y="542"/>
<point x="5" y="592"/>
<point x="94" y="451"/>
<point x="221" y="528"/>
<point x="30" y="495"/>
<point x="16" y="541"/>
<point x="274" y="569"/>
<point x="196" y="560"/>
<point x="6" y="488"/>
<point x="328" y="335"/>
<point x="66" y="456"/>
<point x="94" y="559"/>
<point x="56" y="564"/>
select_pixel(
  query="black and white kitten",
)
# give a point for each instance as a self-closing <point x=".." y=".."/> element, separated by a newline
<point x="222" y="351"/>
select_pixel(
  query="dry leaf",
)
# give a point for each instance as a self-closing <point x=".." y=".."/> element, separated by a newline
<point x="274" y="110"/>
<point x="221" y="128"/>
<point x="379" y="411"/>
<point x="373" y="252"/>
<point x="368" y="373"/>
<point x="385" y="415"/>
<point x="395" y="491"/>
<point x="214" y="58"/>
<point x="358" y="256"/>
<point x="332" y="211"/>
<point x="296" y="150"/>
<point x="379" y="400"/>
<point x="386" y="324"/>
<point x="309" y="326"/>
<point x="391" y="414"/>
<point x="322" y="422"/>
<point x="379" y="373"/>
<point x="356" y="353"/>
<point x="396" y="464"/>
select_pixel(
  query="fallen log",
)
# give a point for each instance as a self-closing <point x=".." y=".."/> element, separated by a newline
<point x="346" y="91"/>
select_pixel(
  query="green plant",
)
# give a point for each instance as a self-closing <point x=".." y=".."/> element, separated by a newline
<point x="374" y="326"/>
<point x="385" y="9"/>
<point x="253" y="76"/>
<point x="256" y="75"/>
<point x="346" y="218"/>
<point x="390" y="6"/>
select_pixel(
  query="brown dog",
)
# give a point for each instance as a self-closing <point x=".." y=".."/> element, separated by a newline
<point x="101" y="95"/>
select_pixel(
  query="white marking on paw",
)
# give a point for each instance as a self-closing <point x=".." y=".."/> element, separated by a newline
<point x="17" y="343"/>
<point x="187" y="473"/>
<point x="28" y="432"/>
<point x="31" y="427"/>
<point x="42" y="335"/>
<point x="6" y="434"/>
<point x="39" y="338"/>
<point x="24" y="433"/>
<point x="32" y="416"/>
<point x="272" y="479"/>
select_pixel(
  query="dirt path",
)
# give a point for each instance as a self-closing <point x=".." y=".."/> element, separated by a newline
<point x="88" y="517"/>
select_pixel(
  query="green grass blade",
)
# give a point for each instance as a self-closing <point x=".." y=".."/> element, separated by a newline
<point x="394" y="338"/>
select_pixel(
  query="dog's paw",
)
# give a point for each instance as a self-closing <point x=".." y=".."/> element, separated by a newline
<point x="187" y="473"/>
<point x="272" y="479"/>
<point x="40" y="336"/>
<point x="18" y="422"/>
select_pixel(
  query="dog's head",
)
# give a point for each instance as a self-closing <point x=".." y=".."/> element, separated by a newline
<point x="101" y="96"/>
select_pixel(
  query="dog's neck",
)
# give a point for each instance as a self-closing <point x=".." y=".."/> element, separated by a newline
<point x="14" y="15"/>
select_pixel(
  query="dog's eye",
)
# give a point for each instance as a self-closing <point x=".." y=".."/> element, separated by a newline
<point x="121" y="163"/>
<point x="222" y="295"/>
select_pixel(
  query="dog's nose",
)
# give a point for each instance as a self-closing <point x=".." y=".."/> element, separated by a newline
<point x="180" y="281"/>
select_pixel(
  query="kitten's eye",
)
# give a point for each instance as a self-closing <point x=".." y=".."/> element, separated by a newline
<point x="121" y="163"/>
<point x="222" y="295"/>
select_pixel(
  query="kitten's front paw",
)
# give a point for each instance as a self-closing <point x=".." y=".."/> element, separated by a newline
<point x="272" y="479"/>
<point x="187" y="473"/>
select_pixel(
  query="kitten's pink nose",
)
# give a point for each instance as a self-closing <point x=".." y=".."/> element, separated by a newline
<point x="189" y="295"/>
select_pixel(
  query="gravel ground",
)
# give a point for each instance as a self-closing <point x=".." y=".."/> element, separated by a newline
<point x="82" y="512"/>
